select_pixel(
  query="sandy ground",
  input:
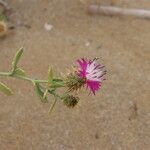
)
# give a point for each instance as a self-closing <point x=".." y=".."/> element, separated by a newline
<point x="117" y="118"/>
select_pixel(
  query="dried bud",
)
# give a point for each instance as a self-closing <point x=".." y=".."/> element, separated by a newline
<point x="70" y="100"/>
<point x="3" y="28"/>
<point x="74" y="82"/>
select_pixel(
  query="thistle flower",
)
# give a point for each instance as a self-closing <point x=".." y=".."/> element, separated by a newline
<point x="92" y="72"/>
<point x="88" y="73"/>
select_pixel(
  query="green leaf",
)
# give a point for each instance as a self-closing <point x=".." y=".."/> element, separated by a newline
<point x="57" y="84"/>
<point x="17" y="58"/>
<point x="45" y="93"/>
<point x="40" y="92"/>
<point x="50" y="79"/>
<point x="58" y="80"/>
<point x="50" y="75"/>
<point x="19" y="72"/>
<point x="6" y="90"/>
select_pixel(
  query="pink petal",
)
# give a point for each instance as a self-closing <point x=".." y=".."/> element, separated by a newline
<point x="93" y="85"/>
<point x="82" y="67"/>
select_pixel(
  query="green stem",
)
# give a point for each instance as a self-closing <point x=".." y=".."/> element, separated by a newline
<point x="31" y="80"/>
<point x="59" y="82"/>
<point x="52" y="106"/>
<point x="55" y="94"/>
<point x="5" y="74"/>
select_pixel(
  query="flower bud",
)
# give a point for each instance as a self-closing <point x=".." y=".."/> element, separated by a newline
<point x="74" y="82"/>
<point x="3" y="28"/>
<point x="70" y="100"/>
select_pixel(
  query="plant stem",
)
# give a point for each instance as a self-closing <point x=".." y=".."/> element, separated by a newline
<point x="55" y="94"/>
<point x="4" y="74"/>
<point x="30" y="79"/>
<point x="52" y="106"/>
<point x="9" y="74"/>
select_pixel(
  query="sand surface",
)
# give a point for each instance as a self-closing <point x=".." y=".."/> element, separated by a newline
<point x="117" y="118"/>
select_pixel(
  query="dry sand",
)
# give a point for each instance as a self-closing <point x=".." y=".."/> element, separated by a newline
<point x="117" y="118"/>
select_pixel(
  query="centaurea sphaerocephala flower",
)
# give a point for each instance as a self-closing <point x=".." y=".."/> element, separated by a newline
<point x="92" y="72"/>
<point x="88" y="73"/>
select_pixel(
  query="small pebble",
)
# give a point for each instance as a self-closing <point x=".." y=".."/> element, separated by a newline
<point x="87" y="44"/>
<point x="48" y="26"/>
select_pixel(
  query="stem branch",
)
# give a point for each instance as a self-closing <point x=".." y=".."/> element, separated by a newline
<point x="9" y="74"/>
<point x="52" y="106"/>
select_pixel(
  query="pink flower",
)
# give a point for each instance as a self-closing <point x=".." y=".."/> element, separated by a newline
<point x="92" y="72"/>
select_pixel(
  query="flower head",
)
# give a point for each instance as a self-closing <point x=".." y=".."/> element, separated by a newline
<point x="74" y="82"/>
<point x="70" y="100"/>
<point x="92" y="72"/>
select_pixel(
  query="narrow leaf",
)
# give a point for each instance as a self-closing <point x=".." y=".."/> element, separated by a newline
<point x="20" y="72"/>
<point x="6" y="90"/>
<point x="57" y="85"/>
<point x="58" y="80"/>
<point x="50" y="79"/>
<point x="45" y="94"/>
<point x="50" y="75"/>
<point x="17" y="58"/>
<point x="40" y="92"/>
